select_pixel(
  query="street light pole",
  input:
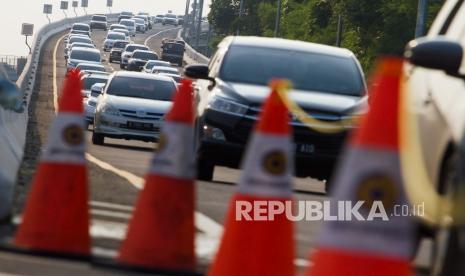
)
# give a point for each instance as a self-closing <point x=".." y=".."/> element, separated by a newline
<point x="241" y="7"/>
<point x="421" y="18"/>
<point x="199" y="24"/>
<point x="278" y="19"/>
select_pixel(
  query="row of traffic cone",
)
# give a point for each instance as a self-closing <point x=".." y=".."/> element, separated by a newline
<point x="161" y="232"/>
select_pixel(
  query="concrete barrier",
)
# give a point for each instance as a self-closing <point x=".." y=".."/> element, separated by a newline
<point x="191" y="56"/>
<point x="13" y="125"/>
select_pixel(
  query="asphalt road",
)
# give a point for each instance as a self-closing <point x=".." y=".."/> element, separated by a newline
<point x="116" y="176"/>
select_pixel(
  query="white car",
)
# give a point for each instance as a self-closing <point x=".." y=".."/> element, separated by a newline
<point x="83" y="55"/>
<point x="110" y="40"/>
<point x="91" y="102"/>
<point x="88" y="80"/>
<point x="77" y="44"/>
<point x="132" y="106"/>
<point x="140" y="25"/>
<point x="125" y="32"/>
<point x="117" y="27"/>
<point x="152" y="63"/>
<point x="164" y="69"/>
<point x="434" y="76"/>
<point x="127" y="53"/>
<point x="130" y="25"/>
<point x="90" y="67"/>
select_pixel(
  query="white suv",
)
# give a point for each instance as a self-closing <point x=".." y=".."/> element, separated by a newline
<point x="132" y="107"/>
<point x="435" y="77"/>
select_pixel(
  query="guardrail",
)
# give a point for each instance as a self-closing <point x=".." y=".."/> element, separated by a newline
<point x="13" y="124"/>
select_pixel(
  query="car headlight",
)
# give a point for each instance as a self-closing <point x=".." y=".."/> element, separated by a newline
<point x="108" y="109"/>
<point x="225" y="105"/>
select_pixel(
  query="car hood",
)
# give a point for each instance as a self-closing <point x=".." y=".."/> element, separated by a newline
<point x="255" y="95"/>
<point x="138" y="104"/>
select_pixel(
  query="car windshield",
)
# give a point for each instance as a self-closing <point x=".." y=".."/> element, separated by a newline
<point x="160" y="15"/>
<point x="160" y="90"/>
<point x="115" y="27"/>
<point x="165" y="70"/>
<point x="120" y="44"/>
<point x="144" y="55"/>
<point x="81" y="28"/>
<point x="99" y="18"/>
<point x="171" y="16"/>
<point x="84" y="45"/>
<point x="79" y="39"/>
<point x="139" y="21"/>
<point x="85" y="55"/>
<point x="176" y="48"/>
<point x="89" y="81"/>
<point x="89" y="67"/>
<point x="307" y="71"/>
<point x="128" y="23"/>
<point x="132" y="48"/>
<point x="115" y="36"/>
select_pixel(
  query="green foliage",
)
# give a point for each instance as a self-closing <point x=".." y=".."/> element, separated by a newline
<point x="370" y="27"/>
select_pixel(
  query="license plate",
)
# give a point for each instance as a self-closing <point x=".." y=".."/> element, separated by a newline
<point x="305" y="148"/>
<point x="140" y="126"/>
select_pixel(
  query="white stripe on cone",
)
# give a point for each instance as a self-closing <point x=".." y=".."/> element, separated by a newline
<point x="268" y="166"/>
<point x="66" y="140"/>
<point x="386" y="238"/>
<point x="175" y="154"/>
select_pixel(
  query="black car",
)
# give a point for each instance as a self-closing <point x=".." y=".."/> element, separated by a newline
<point x="99" y="22"/>
<point x="125" y="15"/>
<point x="139" y="59"/>
<point x="173" y="52"/>
<point x="117" y="50"/>
<point x="328" y="83"/>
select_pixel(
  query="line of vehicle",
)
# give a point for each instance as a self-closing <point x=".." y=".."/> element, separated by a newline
<point x="202" y="222"/>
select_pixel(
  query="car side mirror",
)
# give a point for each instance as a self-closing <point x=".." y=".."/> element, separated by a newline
<point x="436" y="53"/>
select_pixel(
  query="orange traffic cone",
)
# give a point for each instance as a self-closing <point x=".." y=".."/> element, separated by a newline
<point x="261" y="247"/>
<point x="370" y="173"/>
<point x="56" y="215"/>
<point x="161" y="232"/>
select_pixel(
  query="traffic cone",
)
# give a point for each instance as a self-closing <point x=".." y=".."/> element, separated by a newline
<point x="161" y="232"/>
<point x="261" y="247"/>
<point x="56" y="218"/>
<point x="370" y="172"/>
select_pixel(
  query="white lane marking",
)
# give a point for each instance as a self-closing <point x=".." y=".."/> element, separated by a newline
<point x="134" y="180"/>
<point x="110" y="214"/>
<point x="111" y="205"/>
<point x="55" y="88"/>
<point x="146" y="42"/>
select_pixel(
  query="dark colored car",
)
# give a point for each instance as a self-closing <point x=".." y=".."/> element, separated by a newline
<point x="173" y="52"/>
<point x="99" y="22"/>
<point x="117" y="50"/>
<point x="139" y="59"/>
<point x="180" y="19"/>
<point x="328" y="83"/>
<point x="125" y="15"/>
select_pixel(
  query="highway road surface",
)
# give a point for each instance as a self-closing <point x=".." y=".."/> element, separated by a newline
<point x="116" y="176"/>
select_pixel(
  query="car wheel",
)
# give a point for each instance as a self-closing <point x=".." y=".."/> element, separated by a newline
<point x="205" y="170"/>
<point x="121" y="66"/>
<point x="110" y="60"/>
<point x="98" y="138"/>
<point x="86" y="125"/>
<point x="449" y="241"/>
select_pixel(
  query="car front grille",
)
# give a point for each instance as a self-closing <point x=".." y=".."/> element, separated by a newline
<point x="147" y="115"/>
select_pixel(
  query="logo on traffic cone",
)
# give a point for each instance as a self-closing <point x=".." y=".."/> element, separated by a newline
<point x="370" y="172"/>
<point x="56" y="215"/>
<point x="161" y="232"/>
<point x="265" y="247"/>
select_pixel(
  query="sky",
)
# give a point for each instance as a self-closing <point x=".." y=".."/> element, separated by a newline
<point x="16" y="12"/>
